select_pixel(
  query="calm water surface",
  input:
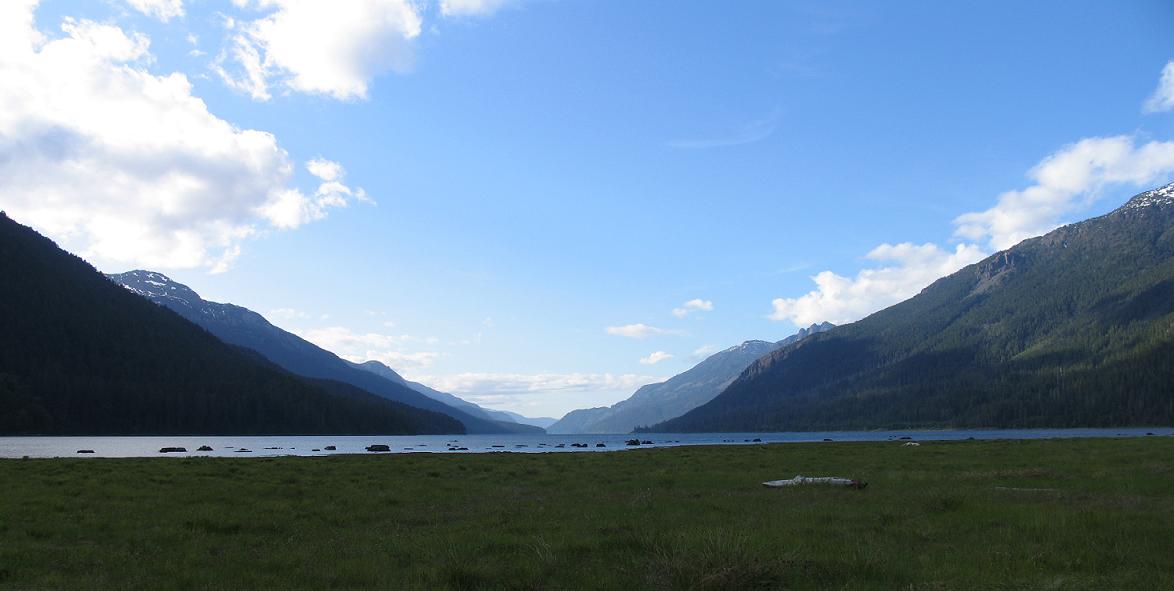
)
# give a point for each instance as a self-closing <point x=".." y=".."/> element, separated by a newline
<point x="291" y="445"/>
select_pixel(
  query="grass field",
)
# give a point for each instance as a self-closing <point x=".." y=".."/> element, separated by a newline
<point x="1059" y="514"/>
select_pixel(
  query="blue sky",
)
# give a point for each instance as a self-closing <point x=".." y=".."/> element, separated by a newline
<point x="544" y="182"/>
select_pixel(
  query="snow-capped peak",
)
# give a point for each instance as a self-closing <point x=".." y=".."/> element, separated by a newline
<point x="1159" y="196"/>
<point x="151" y="284"/>
<point x="747" y="345"/>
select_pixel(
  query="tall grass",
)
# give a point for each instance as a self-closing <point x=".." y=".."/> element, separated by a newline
<point x="1062" y="514"/>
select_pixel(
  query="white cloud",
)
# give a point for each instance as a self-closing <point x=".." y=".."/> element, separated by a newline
<point x="538" y="394"/>
<point x="194" y="40"/>
<point x="288" y="314"/>
<point x="359" y="347"/>
<point x="655" y="357"/>
<point x="518" y="383"/>
<point x="126" y="167"/>
<point x="840" y="299"/>
<point x="325" y="170"/>
<point x="163" y="10"/>
<point x="397" y="359"/>
<point x="1064" y="183"/>
<point x="341" y="339"/>
<point x="458" y="8"/>
<point x="638" y="331"/>
<point x="252" y="77"/>
<point x="292" y="208"/>
<point x="1163" y="97"/>
<point x="694" y="305"/>
<point x="331" y="48"/>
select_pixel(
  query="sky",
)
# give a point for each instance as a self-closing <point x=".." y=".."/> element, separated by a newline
<point x="540" y="205"/>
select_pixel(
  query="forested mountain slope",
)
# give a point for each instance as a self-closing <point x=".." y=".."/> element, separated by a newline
<point x="245" y="328"/>
<point x="679" y="394"/>
<point x="1074" y="328"/>
<point x="81" y="355"/>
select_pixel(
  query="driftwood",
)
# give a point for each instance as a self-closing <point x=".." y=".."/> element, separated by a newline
<point x="809" y="480"/>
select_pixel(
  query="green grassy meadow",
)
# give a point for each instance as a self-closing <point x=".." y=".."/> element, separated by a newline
<point x="1048" y="514"/>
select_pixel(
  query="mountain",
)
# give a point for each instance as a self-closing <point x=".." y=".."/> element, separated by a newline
<point x="509" y="419"/>
<point x="678" y="395"/>
<point x="79" y="355"/>
<point x="1073" y="328"/>
<point x="454" y="401"/>
<point x="245" y="328"/>
<point x="542" y="422"/>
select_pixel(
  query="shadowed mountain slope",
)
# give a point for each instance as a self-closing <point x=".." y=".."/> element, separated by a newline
<point x="81" y="355"/>
<point x="246" y="328"/>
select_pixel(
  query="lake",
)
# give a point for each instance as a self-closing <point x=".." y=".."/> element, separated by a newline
<point x="285" y="445"/>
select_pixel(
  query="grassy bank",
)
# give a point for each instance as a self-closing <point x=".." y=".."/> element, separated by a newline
<point x="1075" y="514"/>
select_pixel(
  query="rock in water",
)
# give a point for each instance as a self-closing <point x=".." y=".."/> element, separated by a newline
<point x="378" y="447"/>
<point x="173" y="450"/>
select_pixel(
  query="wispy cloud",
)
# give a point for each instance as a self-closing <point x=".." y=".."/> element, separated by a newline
<point x="788" y="269"/>
<point x="549" y="394"/>
<point x="694" y="305"/>
<point x="163" y="10"/>
<point x="655" y="357"/>
<point x="1163" y="97"/>
<point x="639" y="331"/>
<point x="486" y="384"/>
<point x="358" y="346"/>
<point x="754" y="131"/>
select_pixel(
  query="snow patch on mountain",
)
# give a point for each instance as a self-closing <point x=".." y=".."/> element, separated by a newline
<point x="1160" y="196"/>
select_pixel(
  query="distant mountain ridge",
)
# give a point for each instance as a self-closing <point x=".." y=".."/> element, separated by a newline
<point x="1073" y="328"/>
<point x="452" y="400"/>
<point x="543" y="422"/>
<point x="80" y="355"/>
<point x="655" y="403"/>
<point x="381" y="369"/>
<point x="245" y="328"/>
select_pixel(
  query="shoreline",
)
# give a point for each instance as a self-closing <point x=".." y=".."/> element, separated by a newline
<point x="589" y="444"/>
